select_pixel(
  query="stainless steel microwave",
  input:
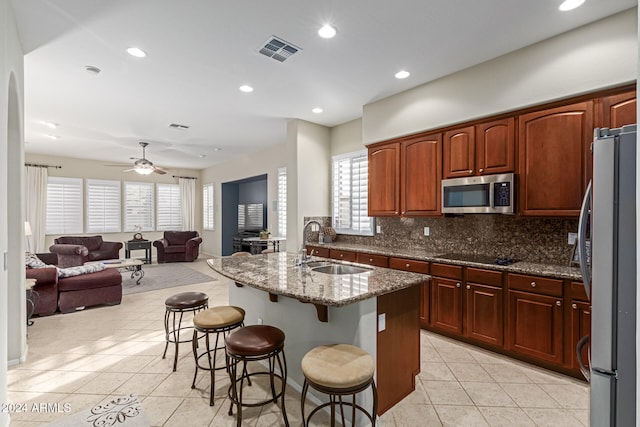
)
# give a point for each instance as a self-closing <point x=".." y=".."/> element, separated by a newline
<point x="479" y="194"/>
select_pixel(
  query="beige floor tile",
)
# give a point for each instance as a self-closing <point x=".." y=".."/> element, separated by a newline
<point x="435" y="371"/>
<point x="506" y="417"/>
<point x="159" y="409"/>
<point x="452" y="354"/>
<point x="544" y="417"/>
<point x="175" y="384"/>
<point x="581" y="415"/>
<point x="416" y="415"/>
<point x="446" y="393"/>
<point x="105" y="383"/>
<point x="570" y="396"/>
<point x="506" y="373"/>
<point x="487" y="394"/>
<point x="529" y="396"/>
<point x="192" y="412"/>
<point x="469" y="372"/>
<point x="141" y="384"/>
<point x="456" y="416"/>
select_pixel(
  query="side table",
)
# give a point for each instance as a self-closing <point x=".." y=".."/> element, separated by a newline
<point x="32" y="299"/>
<point x="134" y="245"/>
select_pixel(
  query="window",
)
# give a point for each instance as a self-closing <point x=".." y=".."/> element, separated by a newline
<point x="250" y="217"/>
<point x="64" y="205"/>
<point x="282" y="202"/>
<point x="103" y="206"/>
<point x="138" y="206"/>
<point x="207" y="207"/>
<point x="349" y="177"/>
<point x="168" y="207"/>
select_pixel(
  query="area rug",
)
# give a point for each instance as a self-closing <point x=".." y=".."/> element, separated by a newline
<point x="161" y="276"/>
<point x="125" y="411"/>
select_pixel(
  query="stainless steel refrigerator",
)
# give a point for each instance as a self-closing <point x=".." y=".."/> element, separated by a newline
<point x="610" y="276"/>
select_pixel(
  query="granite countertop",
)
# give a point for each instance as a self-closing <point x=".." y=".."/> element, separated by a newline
<point x="276" y="273"/>
<point x="520" y="267"/>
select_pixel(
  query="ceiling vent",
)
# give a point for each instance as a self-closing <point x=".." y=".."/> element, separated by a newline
<point x="178" y="126"/>
<point x="278" y="49"/>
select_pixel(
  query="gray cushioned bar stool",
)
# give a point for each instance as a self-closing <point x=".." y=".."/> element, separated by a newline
<point x="185" y="302"/>
<point x="250" y="344"/>
<point x="339" y="370"/>
<point x="215" y="320"/>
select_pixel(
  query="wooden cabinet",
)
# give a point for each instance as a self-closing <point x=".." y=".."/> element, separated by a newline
<point x="404" y="177"/>
<point x="318" y="251"/>
<point x="483" y="149"/>
<point x="384" y="180"/>
<point x="535" y="319"/>
<point x="445" y="301"/>
<point x="484" y="314"/>
<point x="417" y="267"/>
<point x="580" y="324"/>
<point x="343" y="255"/>
<point x="618" y="110"/>
<point x="372" y="259"/>
<point x="554" y="158"/>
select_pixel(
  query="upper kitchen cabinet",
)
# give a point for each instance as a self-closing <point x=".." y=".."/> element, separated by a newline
<point x="404" y="176"/>
<point x="484" y="149"/>
<point x="618" y="110"/>
<point x="553" y="149"/>
<point x="384" y="180"/>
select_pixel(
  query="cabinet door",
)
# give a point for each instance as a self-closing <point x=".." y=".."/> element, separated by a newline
<point x="580" y="326"/>
<point x="446" y="305"/>
<point x="495" y="147"/>
<point x="484" y="314"/>
<point x="554" y="156"/>
<point x="535" y="326"/>
<point x="619" y="110"/>
<point x="421" y="171"/>
<point x="424" y="305"/>
<point x="384" y="180"/>
<point x="459" y="152"/>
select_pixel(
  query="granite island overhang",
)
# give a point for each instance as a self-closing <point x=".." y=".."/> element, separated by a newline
<point x="377" y="310"/>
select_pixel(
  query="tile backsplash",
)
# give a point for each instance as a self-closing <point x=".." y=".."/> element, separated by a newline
<point x="541" y="240"/>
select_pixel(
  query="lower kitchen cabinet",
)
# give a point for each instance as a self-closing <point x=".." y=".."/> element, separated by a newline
<point x="445" y="301"/>
<point x="484" y="313"/>
<point x="417" y="267"/>
<point x="579" y="316"/>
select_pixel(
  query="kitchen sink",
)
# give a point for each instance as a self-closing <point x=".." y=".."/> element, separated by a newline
<point x="341" y="269"/>
<point x="314" y="264"/>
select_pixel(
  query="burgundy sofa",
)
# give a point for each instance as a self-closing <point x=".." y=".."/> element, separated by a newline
<point x="70" y="293"/>
<point x="178" y="246"/>
<point x="76" y="250"/>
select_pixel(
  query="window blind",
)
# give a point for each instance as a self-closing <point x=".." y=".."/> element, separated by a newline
<point x="282" y="202"/>
<point x="207" y="206"/>
<point x="168" y="211"/>
<point x="350" y="173"/>
<point x="64" y="205"/>
<point x="103" y="206"/>
<point x="138" y="206"/>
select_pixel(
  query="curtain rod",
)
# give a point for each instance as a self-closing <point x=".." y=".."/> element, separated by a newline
<point x="185" y="177"/>
<point x="43" y="166"/>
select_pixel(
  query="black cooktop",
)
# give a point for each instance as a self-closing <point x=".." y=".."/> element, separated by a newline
<point x="479" y="258"/>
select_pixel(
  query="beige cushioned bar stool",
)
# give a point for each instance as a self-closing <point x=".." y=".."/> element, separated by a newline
<point x="339" y="370"/>
<point x="185" y="302"/>
<point x="250" y="344"/>
<point x="214" y="320"/>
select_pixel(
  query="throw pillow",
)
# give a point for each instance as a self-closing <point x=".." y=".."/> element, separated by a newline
<point x="80" y="269"/>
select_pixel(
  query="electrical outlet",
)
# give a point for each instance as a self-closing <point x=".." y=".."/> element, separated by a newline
<point x="259" y="320"/>
<point x="379" y="229"/>
<point x="382" y="324"/>
<point x="426" y="231"/>
<point x="572" y="238"/>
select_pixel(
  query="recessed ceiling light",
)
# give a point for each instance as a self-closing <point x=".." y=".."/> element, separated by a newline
<point x="92" y="69"/>
<point x="51" y="125"/>
<point x="217" y="149"/>
<point x="53" y="136"/>
<point x="202" y="156"/>
<point x="327" y="32"/>
<point x="137" y="52"/>
<point x="402" y="74"/>
<point x="317" y="110"/>
<point x="246" y="88"/>
<point x="570" y="5"/>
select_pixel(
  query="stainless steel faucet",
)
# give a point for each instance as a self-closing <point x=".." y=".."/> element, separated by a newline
<point x="303" y="249"/>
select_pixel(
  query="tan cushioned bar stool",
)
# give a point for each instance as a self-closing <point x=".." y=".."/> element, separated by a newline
<point x="250" y="344"/>
<point x="214" y="320"/>
<point x="185" y="302"/>
<point x="339" y="370"/>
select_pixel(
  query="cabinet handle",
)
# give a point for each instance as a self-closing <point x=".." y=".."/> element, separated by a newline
<point x="574" y="306"/>
<point x="480" y="170"/>
<point x="341" y="255"/>
<point x="470" y="170"/>
<point x="558" y="303"/>
<point x="457" y="285"/>
<point x="408" y="265"/>
<point x="370" y="259"/>
<point x="533" y="284"/>
<point x="468" y="286"/>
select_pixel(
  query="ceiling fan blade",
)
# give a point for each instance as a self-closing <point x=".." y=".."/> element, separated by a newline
<point x="128" y="170"/>
<point x="159" y="170"/>
<point x="118" y="166"/>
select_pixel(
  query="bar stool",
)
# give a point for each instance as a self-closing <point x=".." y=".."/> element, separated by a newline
<point x="215" y="320"/>
<point x="339" y="370"/>
<point x="182" y="303"/>
<point x="250" y="344"/>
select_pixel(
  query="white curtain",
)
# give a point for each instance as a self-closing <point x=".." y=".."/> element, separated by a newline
<point x="188" y="200"/>
<point x="36" y="178"/>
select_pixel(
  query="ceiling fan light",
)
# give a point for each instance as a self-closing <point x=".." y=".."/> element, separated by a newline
<point x="142" y="170"/>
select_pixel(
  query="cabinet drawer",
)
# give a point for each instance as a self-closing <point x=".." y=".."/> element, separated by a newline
<point x="342" y="255"/>
<point x="538" y="285"/>
<point x="486" y="277"/>
<point x="377" y="260"/>
<point x="578" y="292"/>
<point x="409" y="265"/>
<point x="444" y="270"/>
<point x="317" y="251"/>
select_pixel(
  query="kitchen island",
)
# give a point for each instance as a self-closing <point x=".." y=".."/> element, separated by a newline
<point x="377" y="310"/>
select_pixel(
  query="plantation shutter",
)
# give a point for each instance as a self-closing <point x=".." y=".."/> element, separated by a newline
<point x="207" y="206"/>
<point x="350" y="174"/>
<point x="64" y="205"/>
<point x="282" y="202"/>
<point x="168" y="207"/>
<point x="103" y="206"/>
<point x="138" y="206"/>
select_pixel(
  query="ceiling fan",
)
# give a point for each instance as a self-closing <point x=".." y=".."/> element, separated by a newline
<point x="143" y="166"/>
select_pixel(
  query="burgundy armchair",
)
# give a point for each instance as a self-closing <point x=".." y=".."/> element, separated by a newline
<point x="178" y="246"/>
<point x="76" y="250"/>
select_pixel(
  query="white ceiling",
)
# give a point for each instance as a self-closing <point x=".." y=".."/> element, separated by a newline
<point x="199" y="52"/>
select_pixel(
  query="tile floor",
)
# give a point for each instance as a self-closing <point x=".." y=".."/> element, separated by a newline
<point x="89" y="356"/>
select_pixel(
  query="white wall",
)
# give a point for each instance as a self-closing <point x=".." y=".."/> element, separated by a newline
<point x="347" y="138"/>
<point x="570" y="64"/>
<point x="92" y="169"/>
<point x="11" y="131"/>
